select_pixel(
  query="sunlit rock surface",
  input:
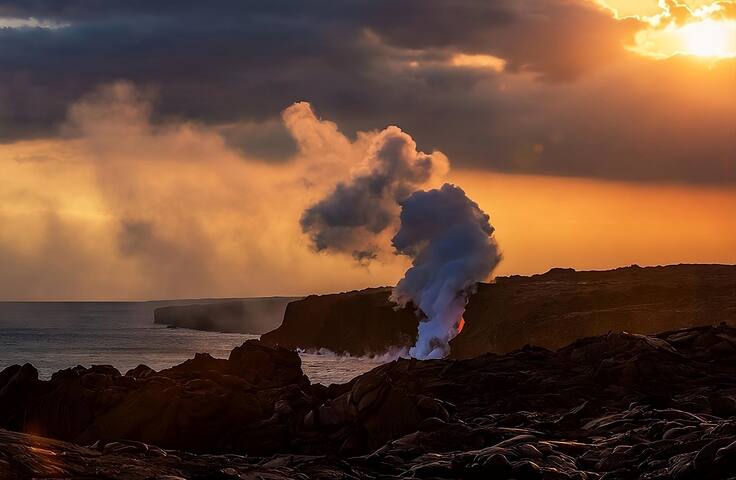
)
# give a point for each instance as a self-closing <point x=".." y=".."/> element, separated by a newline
<point x="556" y="308"/>
<point x="617" y="406"/>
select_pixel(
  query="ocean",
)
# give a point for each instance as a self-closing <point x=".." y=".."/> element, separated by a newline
<point x="57" y="335"/>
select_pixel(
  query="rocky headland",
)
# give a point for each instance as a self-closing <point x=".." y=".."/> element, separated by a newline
<point x="357" y="323"/>
<point x="615" y="406"/>
<point x="253" y="316"/>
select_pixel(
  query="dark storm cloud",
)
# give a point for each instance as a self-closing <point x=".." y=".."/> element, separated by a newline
<point x="219" y="62"/>
<point x="350" y="217"/>
<point x="209" y="69"/>
<point x="558" y="39"/>
<point x="367" y="64"/>
<point x="269" y="141"/>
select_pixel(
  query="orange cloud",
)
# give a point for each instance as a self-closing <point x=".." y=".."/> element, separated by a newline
<point x="120" y="208"/>
<point x="479" y="61"/>
<point x="125" y="209"/>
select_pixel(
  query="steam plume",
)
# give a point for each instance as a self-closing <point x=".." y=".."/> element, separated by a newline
<point x="449" y="239"/>
<point x="447" y="236"/>
<point x="351" y="218"/>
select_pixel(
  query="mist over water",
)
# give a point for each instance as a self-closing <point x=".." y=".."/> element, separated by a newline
<point x="57" y="335"/>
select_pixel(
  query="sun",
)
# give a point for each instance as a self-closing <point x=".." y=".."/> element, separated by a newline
<point x="684" y="28"/>
<point x="709" y="38"/>
<point x="703" y="38"/>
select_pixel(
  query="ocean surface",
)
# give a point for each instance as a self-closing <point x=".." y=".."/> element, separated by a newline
<point x="57" y="335"/>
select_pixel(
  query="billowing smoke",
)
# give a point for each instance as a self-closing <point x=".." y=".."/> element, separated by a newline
<point x="352" y="217"/>
<point x="449" y="239"/>
<point x="447" y="236"/>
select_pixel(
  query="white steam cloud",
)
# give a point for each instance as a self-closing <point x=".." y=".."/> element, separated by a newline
<point x="447" y="236"/>
<point x="449" y="239"/>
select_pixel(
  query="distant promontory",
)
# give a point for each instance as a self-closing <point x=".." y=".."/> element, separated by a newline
<point x="253" y="316"/>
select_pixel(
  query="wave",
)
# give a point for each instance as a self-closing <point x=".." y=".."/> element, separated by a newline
<point x="390" y="355"/>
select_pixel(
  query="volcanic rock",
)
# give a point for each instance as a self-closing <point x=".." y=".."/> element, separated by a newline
<point x="549" y="310"/>
<point x="562" y="305"/>
<point x="357" y="323"/>
<point x="204" y="404"/>
<point x="616" y="406"/>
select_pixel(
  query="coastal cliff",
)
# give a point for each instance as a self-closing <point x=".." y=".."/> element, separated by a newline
<point x="357" y="323"/>
<point x="562" y="305"/>
<point x="548" y="310"/>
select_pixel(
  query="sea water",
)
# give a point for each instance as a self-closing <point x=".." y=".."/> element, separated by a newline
<point x="57" y="335"/>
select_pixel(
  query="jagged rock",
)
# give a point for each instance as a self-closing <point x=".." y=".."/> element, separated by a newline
<point x="140" y="372"/>
<point x="203" y="404"/>
<point x="617" y="406"/>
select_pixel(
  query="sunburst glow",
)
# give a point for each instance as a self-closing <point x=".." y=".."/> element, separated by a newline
<point x="714" y="39"/>
<point x="710" y="38"/>
<point x="682" y="29"/>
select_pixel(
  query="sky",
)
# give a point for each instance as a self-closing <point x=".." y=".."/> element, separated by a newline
<point x="168" y="149"/>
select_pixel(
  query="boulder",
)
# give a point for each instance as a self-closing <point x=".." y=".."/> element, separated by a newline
<point x="203" y="404"/>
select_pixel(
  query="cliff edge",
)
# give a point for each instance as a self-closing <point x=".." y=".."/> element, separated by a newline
<point x="548" y="310"/>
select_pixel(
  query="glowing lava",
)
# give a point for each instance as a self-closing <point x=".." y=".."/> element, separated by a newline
<point x="460" y="325"/>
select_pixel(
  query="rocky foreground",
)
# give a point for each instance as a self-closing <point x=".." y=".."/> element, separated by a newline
<point x="618" y="406"/>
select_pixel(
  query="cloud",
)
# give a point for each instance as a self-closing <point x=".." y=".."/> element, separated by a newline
<point x="128" y="208"/>
<point x="270" y="54"/>
<point x="561" y="95"/>
<point x="127" y="205"/>
<point x="54" y="257"/>
<point x="353" y="216"/>
<point x="556" y="40"/>
<point x="447" y="236"/>
<point x="680" y="29"/>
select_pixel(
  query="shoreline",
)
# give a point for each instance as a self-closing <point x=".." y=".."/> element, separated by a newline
<point x="632" y="406"/>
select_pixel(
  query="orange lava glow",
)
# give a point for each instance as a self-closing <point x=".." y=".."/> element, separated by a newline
<point x="460" y="325"/>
